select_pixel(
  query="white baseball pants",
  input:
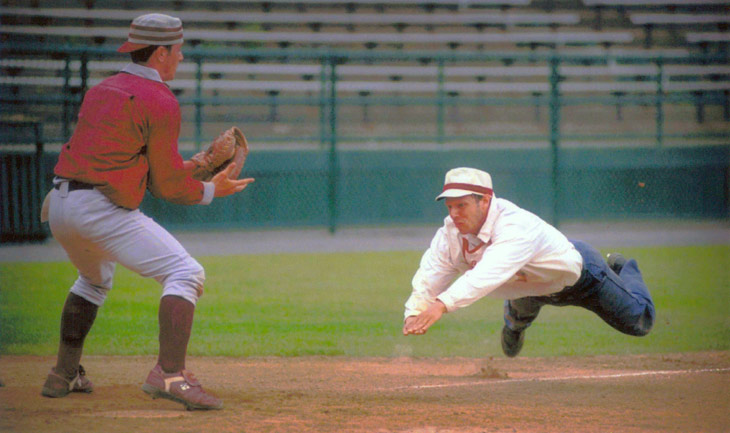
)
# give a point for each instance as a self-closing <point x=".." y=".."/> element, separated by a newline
<point x="97" y="234"/>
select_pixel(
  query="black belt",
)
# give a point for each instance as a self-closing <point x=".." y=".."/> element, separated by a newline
<point x="73" y="185"/>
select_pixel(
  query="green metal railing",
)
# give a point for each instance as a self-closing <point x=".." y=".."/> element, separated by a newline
<point x="330" y="61"/>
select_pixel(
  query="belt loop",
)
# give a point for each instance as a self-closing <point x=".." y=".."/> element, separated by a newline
<point x="63" y="188"/>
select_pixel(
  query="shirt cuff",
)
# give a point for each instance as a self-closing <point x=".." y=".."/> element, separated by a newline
<point x="448" y="301"/>
<point x="208" y="193"/>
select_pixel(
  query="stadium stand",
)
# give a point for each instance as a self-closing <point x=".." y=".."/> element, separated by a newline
<point x="372" y="80"/>
<point x="236" y="27"/>
<point x="611" y="65"/>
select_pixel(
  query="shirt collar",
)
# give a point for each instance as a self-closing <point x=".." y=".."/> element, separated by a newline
<point x="485" y="233"/>
<point x="142" y="71"/>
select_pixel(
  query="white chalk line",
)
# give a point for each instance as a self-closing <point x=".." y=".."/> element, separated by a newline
<point x="560" y="379"/>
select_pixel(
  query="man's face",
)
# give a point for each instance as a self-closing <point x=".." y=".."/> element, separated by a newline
<point x="468" y="212"/>
<point x="169" y="61"/>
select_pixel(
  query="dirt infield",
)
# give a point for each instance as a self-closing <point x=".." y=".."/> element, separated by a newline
<point x="647" y="393"/>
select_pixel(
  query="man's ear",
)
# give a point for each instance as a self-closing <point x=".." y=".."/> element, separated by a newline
<point x="160" y="53"/>
<point x="157" y="57"/>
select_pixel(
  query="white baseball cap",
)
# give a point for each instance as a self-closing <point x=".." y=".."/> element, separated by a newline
<point x="153" y="29"/>
<point x="464" y="181"/>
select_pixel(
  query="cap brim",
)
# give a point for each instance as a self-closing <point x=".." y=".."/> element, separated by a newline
<point x="454" y="193"/>
<point x="128" y="47"/>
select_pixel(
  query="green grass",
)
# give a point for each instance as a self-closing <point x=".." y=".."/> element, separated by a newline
<point x="352" y="304"/>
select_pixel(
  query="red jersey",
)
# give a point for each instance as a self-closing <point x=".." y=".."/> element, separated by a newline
<point x="126" y="141"/>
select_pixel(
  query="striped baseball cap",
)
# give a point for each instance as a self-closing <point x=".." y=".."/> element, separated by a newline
<point x="153" y="29"/>
<point x="463" y="181"/>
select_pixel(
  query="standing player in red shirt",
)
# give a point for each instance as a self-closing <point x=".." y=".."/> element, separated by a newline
<point x="125" y="142"/>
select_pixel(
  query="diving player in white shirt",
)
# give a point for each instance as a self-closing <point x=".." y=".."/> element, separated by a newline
<point x="490" y="247"/>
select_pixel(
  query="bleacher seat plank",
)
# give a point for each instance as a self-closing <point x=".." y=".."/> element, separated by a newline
<point x="649" y="70"/>
<point x="403" y="87"/>
<point x="462" y="3"/>
<point x="678" y="18"/>
<point x="381" y="19"/>
<point x="648" y="3"/>
<point x="336" y="38"/>
<point x="702" y="37"/>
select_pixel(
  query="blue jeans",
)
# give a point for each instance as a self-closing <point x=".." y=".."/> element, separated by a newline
<point x="623" y="301"/>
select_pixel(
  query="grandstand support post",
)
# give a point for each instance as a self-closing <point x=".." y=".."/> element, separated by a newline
<point x="660" y="103"/>
<point x="40" y="171"/>
<point x="332" y="136"/>
<point x="440" y="104"/>
<point x="84" y="72"/>
<point x="555" y="134"/>
<point x="67" y="98"/>
<point x="198" y="102"/>
<point x="323" y="103"/>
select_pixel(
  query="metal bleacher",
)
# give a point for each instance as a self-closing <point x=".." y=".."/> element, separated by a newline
<point x="292" y="28"/>
<point x="283" y="59"/>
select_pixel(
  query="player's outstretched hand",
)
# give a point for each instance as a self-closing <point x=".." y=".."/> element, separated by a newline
<point x="408" y="326"/>
<point x="225" y="186"/>
<point x="418" y="325"/>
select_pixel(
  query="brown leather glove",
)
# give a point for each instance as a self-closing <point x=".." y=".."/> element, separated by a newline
<point x="230" y="146"/>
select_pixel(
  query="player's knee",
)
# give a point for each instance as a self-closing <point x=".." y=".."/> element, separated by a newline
<point x="186" y="282"/>
<point x="94" y="293"/>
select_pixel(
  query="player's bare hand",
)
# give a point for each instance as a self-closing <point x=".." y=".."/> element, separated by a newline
<point x="408" y="325"/>
<point x="225" y="186"/>
<point x="418" y="325"/>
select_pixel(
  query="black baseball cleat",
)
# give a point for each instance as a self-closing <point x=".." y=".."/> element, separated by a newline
<point x="512" y="341"/>
<point x="616" y="261"/>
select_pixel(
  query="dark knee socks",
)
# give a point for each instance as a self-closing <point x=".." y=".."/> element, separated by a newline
<point x="176" y="322"/>
<point x="76" y="320"/>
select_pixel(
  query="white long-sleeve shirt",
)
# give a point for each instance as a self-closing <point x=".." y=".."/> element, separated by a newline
<point x="515" y="254"/>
